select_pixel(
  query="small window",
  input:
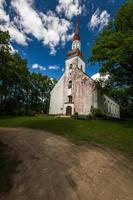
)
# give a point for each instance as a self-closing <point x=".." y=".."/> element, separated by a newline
<point x="70" y="67"/>
<point x="69" y="84"/>
<point x="70" y="99"/>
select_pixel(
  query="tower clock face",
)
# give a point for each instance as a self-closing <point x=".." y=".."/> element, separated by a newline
<point x="76" y="45"/>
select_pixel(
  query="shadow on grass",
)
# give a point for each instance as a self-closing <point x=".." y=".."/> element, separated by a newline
<point x="116" y="134"/>
<point x="8" y="167"/>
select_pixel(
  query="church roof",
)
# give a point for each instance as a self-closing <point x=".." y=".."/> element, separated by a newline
<point x="76" y="34"/>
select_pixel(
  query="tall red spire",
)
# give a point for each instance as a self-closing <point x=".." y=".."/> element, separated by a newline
<point x="76" y="34"/>
<point x="77" y="26"/>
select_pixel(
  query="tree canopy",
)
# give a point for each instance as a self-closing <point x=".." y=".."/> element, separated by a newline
<point x="113" y="50"/>
<point x="21" y="92"/>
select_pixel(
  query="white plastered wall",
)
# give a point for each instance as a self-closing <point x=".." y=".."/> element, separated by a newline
<point x="111" y="108"/>
<point x="57" y="98"/>
<point x="76" y="62"/>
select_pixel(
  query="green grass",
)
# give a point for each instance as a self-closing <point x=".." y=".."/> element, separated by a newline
<point x="114" y="134"/>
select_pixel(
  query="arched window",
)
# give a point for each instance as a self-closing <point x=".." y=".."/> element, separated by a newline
<point x="70" y="99"/>
<point x="69" y="84"/>
<point x="105" y="107"/>
<point x="70" y="67"/>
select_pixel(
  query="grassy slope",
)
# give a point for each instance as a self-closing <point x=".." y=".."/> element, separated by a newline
<point x="115" y="134"/>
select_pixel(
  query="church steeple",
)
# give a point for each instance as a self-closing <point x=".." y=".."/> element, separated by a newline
<point x="76" y="34"/>
<point x="75" y="56"/>
<point x="76" y="38"/>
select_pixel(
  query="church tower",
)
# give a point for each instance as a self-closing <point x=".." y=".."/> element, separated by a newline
<point x="75" y="56"/>
<point x="74" y="65"/>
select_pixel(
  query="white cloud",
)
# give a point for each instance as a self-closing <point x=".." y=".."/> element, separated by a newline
<point x="3" y="15"/>
<point x="99" y="19"/>
<point x="69" y="8"/>
<point x="53" y="67"/>
<point x="56" y="30"/>
<point x="2" y="3"/>
<point x="39" y="67"/>
<point x="45" y="27"/>
<point x="48" y="28"/>
<point x="16" y="34"/>
<point x="28" y="17"/>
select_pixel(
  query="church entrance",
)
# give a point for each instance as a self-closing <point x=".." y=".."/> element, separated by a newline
<point x="68" y="110"/>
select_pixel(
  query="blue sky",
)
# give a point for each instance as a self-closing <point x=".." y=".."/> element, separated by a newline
<point x="41" y="30"/>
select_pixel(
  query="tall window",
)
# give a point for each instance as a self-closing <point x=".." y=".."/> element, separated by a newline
<point x="69" y="84"/>
<point x="70" y="67"/>
<point x="70" y="99"/>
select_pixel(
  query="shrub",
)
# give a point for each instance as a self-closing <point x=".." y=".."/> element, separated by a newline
<point x="96" y="112"/>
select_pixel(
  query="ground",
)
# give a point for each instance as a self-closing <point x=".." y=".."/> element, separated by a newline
<point x="115" y="134"/>
<point x="53" y="168"/>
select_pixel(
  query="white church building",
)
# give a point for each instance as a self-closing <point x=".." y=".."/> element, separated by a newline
<point x="75" y="91"/>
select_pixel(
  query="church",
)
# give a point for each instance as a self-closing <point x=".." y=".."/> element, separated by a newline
<point x="75" y="91"/>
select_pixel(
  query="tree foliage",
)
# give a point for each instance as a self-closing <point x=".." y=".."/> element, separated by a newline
<point x="21" y="92"/>
<point x="113" y="49"/>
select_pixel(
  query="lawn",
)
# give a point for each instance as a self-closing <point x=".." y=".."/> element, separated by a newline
<point x="114" y="134"/>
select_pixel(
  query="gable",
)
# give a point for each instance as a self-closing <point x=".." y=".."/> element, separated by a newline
<point x="58" y="83"/>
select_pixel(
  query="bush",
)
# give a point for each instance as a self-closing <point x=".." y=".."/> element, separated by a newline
<point x="96" y="112"/>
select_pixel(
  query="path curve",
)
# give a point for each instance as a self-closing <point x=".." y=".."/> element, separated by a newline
<point x="53" y="168"/>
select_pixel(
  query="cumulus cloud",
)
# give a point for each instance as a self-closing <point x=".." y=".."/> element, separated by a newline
<point x="99" y="19"/>
<point x="69" y="8"/>
<point x="28" y="17"/>
<point x="45" y="27"/>
<point x="3" y="15"/>
<point x="16" y="34"/>
<point x="42" y="68"/>
<point x="6" y="24"/>
<point x="56" y="30"/>
<point x="39" y="67"/>
<point x="53" y="67"/>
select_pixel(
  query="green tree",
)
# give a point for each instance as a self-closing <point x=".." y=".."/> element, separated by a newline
<point x="20" y="91"/>
<point x="113" y="50"/>
<point x="40" y="92"/>
<point x="13" y="77"/>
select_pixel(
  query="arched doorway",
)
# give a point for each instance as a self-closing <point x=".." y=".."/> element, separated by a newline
<point x="68" y="110"/>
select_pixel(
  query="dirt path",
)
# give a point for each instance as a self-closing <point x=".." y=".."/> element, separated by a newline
<point x="53" y="168"/>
